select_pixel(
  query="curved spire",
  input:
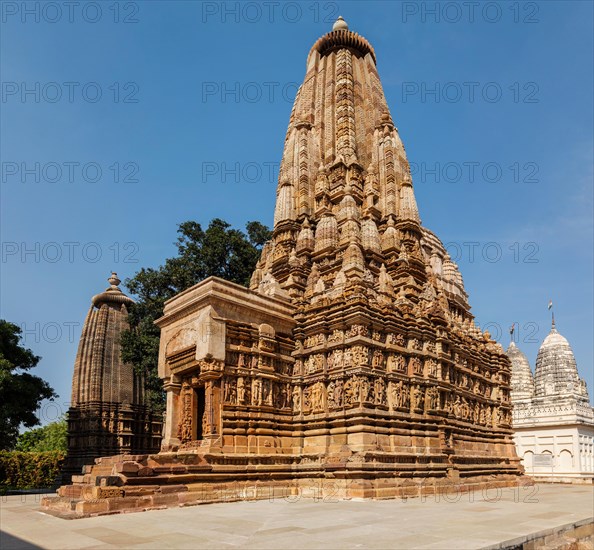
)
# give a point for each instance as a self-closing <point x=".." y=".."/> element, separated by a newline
<point x="344" y="176"/>
<point x="345" y="199"/>
<point x="556" y="369"/>
<point x="100" y="375"/>
<point x="522" y="383"/>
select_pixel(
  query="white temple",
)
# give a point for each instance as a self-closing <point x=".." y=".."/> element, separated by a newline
<point x="553" y="420"/>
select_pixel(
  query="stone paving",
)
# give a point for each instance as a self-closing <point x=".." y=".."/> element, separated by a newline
<point x="460" y="521"/>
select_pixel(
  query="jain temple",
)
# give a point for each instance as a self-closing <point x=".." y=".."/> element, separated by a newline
<point x="553" y="420"/>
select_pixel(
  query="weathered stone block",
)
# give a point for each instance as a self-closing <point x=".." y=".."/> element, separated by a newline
<point x="107" y="492"/>
<point x="90" y="507"/>
<point x="123" y="503"/>
<point x="166" y="489"/>
<point x="164" y="499"/>
<point x="71" y="491"/>
<point x="104" y="481"/>
<point x="128" y="468"/>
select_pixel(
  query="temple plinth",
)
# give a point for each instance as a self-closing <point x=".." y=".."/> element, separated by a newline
<point x="352" y="367"/>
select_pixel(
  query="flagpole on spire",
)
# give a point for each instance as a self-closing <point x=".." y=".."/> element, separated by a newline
<point x="511" y="332"/>
<point x="550" y="307"/>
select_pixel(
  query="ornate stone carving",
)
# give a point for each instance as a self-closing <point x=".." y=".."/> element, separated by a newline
<point x="432" y="398"/>
<point x="297" y="399"/>
<point x="257" y="394"/>
<point x="241" y="393"/>
<point x="230" y="386"/>
<point x="415" y="343"/>
<point x="351" y="391"/>
<point x="187" y="411"/>
<point x="415" y="365"/>
<point x="379" y="391"/>
<point x="417" y="399"/>
<point x="335" y="394"/>
<point x="378" y="360"/>
<point x="317" y="395"/>
<point x="431" y="367"/>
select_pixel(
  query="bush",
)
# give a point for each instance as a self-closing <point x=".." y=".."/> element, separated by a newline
<point x="20" y="470"/>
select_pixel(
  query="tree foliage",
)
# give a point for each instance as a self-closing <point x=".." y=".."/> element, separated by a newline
<point x="52" y="437"/>
<point x="21" y="393"/>
<point x="20" y="470"/>
<point x="219" y="251"/>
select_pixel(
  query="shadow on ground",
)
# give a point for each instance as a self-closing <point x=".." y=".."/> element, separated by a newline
<point x="8" y="542"/>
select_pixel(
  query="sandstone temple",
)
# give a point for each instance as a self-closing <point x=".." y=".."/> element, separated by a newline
<point x="107" y="414"/>
<point x="352" y="366"/>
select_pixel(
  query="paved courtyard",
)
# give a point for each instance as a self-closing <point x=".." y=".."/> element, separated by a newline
<point x="461" y="521"/>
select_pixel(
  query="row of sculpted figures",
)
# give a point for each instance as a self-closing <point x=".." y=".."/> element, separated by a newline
<point x="257" y="391"/>
<point x="361" y="390"/>
<point x="484" y="383"/>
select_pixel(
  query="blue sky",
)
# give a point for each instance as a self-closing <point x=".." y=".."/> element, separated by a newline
<point x="190" y="123"/>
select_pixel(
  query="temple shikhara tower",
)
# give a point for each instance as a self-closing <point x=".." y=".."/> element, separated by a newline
<point x="352" y="366"/>
<point x="107" y="415"/>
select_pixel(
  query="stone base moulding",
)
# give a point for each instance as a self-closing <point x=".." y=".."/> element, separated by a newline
<point x="129" y="483"/>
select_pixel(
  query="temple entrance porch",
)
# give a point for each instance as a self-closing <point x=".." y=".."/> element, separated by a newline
<point x="200" y="411"/>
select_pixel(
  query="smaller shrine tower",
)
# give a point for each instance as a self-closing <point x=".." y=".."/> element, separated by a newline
<point x="553" y="420"/>
<point x="107" y="414"/>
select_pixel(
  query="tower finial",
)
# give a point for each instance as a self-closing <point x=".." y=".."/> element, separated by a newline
<point x="511" y="333"/>
<point x="340" y="24"/>
<point x="114" y="280"/>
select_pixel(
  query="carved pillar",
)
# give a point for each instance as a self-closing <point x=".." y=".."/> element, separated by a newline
<point x="211" y="426"/>
<point x="170" y="440"/>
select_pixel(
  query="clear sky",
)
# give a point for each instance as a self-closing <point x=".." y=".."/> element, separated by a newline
<point x="121" y="120"/>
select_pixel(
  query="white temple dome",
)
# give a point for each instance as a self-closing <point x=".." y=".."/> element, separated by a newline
<point x="556" y="369"/>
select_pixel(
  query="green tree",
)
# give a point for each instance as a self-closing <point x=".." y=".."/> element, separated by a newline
<point x="51" y="437"/>
<point x="217" y="251"/>
<point x="21" y="393"/>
